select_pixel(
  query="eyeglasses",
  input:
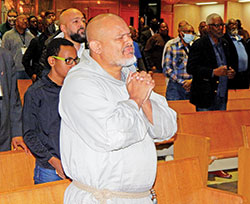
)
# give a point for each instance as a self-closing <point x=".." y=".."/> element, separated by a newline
<point x="69" y="60"/>
<point x="217" y="25"/>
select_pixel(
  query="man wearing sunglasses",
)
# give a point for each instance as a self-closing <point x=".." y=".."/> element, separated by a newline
<point x="209" y="64"/>
<point x="41" y="120"/>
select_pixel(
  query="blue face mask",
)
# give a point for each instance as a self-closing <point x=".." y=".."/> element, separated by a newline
<point x="188" y="38"/>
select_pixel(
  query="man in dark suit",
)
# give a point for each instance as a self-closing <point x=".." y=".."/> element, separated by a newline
<point x="10" y="105"/>
<point x="209" y="64"/>
<point x="239" y="56"/>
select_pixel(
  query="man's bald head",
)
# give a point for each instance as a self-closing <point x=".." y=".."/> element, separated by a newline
<point x="72" y="24"/>
<point x="99" y="27"/>
<point x="21" y="22"/>
<point x="65" y="15"/>
<point x="109" y="41"/>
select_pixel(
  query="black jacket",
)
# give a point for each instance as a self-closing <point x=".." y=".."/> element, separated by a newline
<point x="241" y="79"/>
<point x="201" y="62"/>
<point x="41" y="120"/>
<point x="32" y="55"/>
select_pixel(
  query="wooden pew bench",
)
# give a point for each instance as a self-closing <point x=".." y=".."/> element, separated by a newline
<point x="246" y="135"/>
<point x="160" y="83"/>
<point x="238" y="93"/>
<point x="238" y="104"/>
<point x="243" y="169"/>
<point x="182" y="106"/>
<point x="210" y="135"/>
<point x="47" y="193"/>
<point x="16" y="170"/>
<point x="23" y="85"/>
<point x="172" y="186"/>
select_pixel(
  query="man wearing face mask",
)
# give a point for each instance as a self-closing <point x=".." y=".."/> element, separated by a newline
<point x="238" y="56"/>
<point x="10" y="22"/>
<point x="175" y="63"/>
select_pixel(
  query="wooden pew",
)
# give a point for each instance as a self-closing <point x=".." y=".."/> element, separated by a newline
<point x="160" y="83"/>
<point x="238" y="93"/>
<point x="238" y="104"/>
<point x="180" y="182"/>
<point x="16" y="170"/>
<point x="47" y="193"/>
<point x="246" y="135"/>
<point x="23" y="85"/>
<point x="210" y="135"/>
<point x="243" y="169"/>
<point x="182" y="106"/>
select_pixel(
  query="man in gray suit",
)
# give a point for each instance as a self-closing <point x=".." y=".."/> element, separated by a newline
<point x="10" y="105"/>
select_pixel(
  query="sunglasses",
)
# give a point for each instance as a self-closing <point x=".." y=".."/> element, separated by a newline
<point x="69" y="60"/>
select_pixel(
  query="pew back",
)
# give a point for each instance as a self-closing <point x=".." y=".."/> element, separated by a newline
<point x="160" y="83"/>
<point x="23" y="85"/>
<point x="182" y="106"/>
<point x="238" y="104"/>
<point x="16" y="170"/>
<point x="173" y="186"/>
<point x="222" y="127"/>
<point x="238" y="93"/>
<point x="47" y="193"/>
<point x="244" y="176"/>
<point x="246" y="135"/>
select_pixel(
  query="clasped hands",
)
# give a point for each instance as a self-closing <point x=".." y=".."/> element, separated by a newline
<point x="139" y="86"/>
<point x="223" y="71"/>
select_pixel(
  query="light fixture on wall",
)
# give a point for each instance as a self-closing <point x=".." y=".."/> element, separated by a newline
<point x="98" y="2"/>
<point x="206" y="3"/>
<point x="243" y="1"/>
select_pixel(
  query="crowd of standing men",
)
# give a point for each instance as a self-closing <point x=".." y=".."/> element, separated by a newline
<point x="103" y="111"/>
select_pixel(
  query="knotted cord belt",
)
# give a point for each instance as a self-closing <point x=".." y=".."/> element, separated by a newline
<point x="102" y="195"/>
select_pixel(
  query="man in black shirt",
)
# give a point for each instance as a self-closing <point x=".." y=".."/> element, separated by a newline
<point x="41" y="120"/>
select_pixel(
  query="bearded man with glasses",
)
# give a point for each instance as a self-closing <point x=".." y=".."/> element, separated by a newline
<point x="41" y="120"/>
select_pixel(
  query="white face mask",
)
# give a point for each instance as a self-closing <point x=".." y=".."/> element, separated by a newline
<point x="188" y="38"/>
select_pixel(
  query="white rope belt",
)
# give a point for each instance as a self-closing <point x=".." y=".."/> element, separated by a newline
<point x="102" y="195"/>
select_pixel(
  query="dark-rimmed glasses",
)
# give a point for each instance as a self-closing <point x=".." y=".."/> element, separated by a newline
<point x="69" y="60"/>
<point x="217" y="25"/>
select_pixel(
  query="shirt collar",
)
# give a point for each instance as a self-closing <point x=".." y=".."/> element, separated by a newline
<point x="235" y="37"/>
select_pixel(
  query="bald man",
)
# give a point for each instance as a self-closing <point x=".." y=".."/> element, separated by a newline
<point x="109" y="128"/>
<point x="17" y="41"/>
<point x="72" y="24"/>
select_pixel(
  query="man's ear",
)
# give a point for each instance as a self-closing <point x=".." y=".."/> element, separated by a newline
<point x="51" y="61"/>
<point x="95" y="46"/>
<point x="62" y="28"/>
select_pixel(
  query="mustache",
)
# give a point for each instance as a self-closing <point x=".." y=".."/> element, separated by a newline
<point x="82" y="28"/>
<point x="129" y="46"/>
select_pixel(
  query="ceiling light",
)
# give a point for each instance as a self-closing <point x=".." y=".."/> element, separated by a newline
<point x="242" y="1"/>
<point x="206" y="3"/>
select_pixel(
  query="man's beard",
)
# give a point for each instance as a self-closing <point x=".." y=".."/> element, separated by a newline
<point x="234" y="32"/>
<point x="78" y="38"/>
<point x="126" y="62"/>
